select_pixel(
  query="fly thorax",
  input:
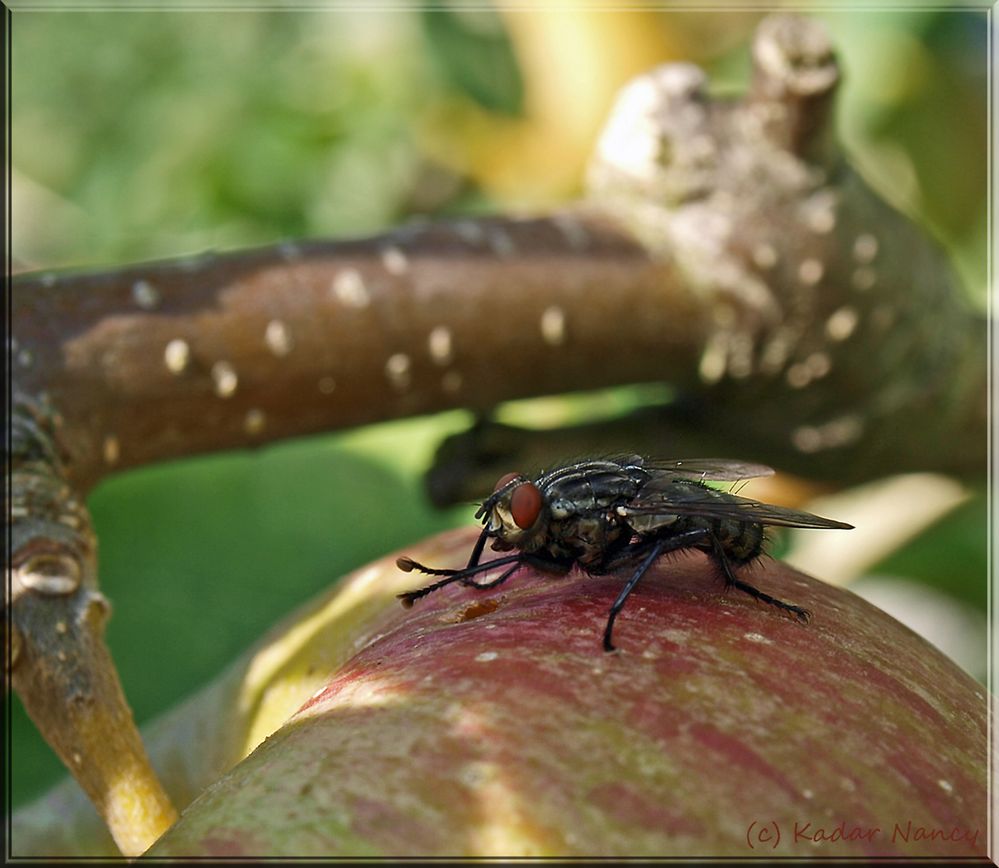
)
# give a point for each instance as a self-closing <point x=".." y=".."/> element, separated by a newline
<point x="561" y="509"/>
<point x="584" y="537"/>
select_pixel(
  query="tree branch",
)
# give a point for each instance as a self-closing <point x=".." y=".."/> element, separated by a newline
<point x="56" y="655"/>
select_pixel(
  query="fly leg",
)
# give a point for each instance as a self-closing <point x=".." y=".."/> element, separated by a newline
<point x="408" y="564"/>
<point x="464" y="576"/>
<point x="483" y="586"/>
<point x="719" y="555"/>
<point x="654" y="548"/>
<point x="532" y="560"/>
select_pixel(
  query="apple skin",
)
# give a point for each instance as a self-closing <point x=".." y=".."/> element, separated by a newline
<point x="492" y="723"/>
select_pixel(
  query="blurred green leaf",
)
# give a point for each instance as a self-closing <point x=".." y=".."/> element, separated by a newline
<point x="471" y="48"/>
<point x="951" y="556"/>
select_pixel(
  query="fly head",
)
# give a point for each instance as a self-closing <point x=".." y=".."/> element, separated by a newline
<point x="515" y="514"/>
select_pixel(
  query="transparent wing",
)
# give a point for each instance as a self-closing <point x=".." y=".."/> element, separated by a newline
<point x="685" y="499"/>
<point x="714" y="469"/>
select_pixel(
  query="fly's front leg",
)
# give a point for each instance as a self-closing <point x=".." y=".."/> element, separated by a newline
<point x="543" y="564"/>
<point x="407" y="564"/>
<point x="464" y="576"/>
<point x="480" y="544"/>
<point x="473" y="561"/>
<point x="484" y="586"/>
<point x="718" y="553"/>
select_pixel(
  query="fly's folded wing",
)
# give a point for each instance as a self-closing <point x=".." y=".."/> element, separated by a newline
<point x="665" y="497"/>
<point x="714" y="469"/>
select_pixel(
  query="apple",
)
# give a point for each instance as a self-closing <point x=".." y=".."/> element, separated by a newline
<point x="491" y="723"/>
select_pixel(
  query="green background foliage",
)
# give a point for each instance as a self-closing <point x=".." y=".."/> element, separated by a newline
<point x="153" y="134"/>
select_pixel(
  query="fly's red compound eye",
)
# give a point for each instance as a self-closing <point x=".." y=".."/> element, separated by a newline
<point x="525" y="505"/>
<point x="504" y="480"/>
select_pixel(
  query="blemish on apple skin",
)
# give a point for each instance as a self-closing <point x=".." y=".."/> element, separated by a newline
<point x="476" y="610"/>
